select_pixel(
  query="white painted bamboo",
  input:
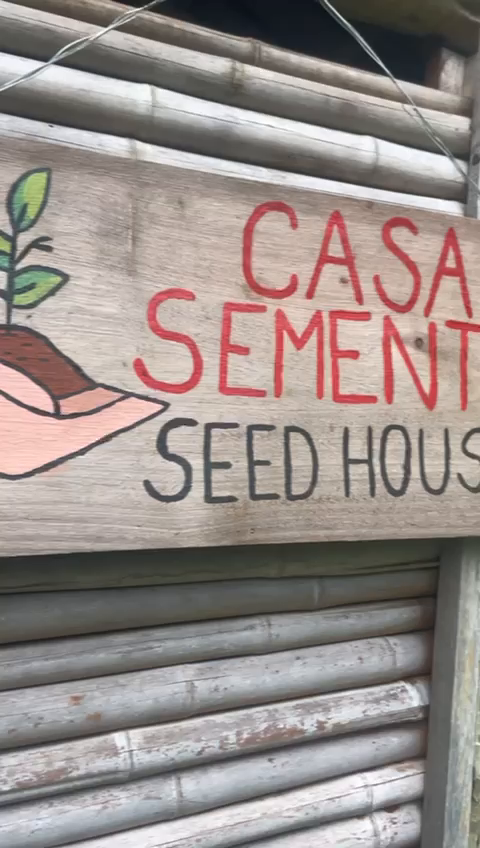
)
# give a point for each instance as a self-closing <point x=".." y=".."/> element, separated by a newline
<point x="48" y="770"/>
<point x="46" y="615"/>
<point x="38" y="35"/>
<point x="68" y="710"/>
<point x="170" y="31"/>
<point x="344" y="797"/>
<point x="155" y="115"/>
<point x="84" y="815"/>
<point x="400" y="828"/>
<point x="56" y="660"/>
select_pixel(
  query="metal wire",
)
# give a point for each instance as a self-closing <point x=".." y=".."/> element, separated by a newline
<point x="415" y="111"/>
<point x="80" y="44"/>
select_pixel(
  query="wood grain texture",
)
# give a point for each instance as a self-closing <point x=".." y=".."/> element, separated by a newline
<point x="158" y="116"/>
<point x="105" y="759"/>
<point x="78" y="708"/>
<point x="90" y="813"/>
<point x="343" y="797"/>
<point x="451" y="735"/>
<point x="28" y="617"/>
<point x="167" y="30"/>
<point x="447" y="71"/>
<point x="147" y="227"/>
<point x="38" y="35"/>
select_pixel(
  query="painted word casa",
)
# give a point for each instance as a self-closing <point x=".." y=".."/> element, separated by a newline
<point x="325" y="326"/>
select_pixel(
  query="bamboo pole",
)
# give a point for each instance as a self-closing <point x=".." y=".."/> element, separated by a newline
<point x="148" y="568"/>
<point x="345" y="797"/>
<point x="398" y="828"/>
<point x="164" y="29"/>
<point x="154" y="115"/>
<point x="68" y="710"/>
<point x="38" y="35"/>
<point x="33" y="616"/>
<point x="56" y="660"/>
<point x="108" y="759"/>
<point x="87" y="814"/>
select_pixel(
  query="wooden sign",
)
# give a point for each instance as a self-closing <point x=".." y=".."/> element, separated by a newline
<point x="191" y="359"/>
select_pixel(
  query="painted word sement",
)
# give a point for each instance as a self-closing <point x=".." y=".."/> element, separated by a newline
<point x="190" y="359"/>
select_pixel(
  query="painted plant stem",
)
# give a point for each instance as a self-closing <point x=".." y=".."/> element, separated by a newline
<point x="28" y="286"/>
<point x="10" y="290"/>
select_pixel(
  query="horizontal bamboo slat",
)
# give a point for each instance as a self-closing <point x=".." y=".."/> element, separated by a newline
<point x="132" y="754"/>
<point x="37" y="35"/>
<point x="158" y="116"/>
<point x="146" y="568"/>
<point x="170" y="31"/>
<point x="83" y="815"/>
<point x="398" y="828"/>
<point x="67" y="710"/>
<point x="33" y="616"/>
<point x="80" y="708"/>
<point x="344" y="797"/>
<point x="56" y="660"/>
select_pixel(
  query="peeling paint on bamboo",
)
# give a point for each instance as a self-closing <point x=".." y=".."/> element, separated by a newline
<point x="346" y="797"/>
<point x="33" y="616"/>
<point x="56" y="660"/>
<point x="141" y="752"/>
<point x="398" y="828"/>
<point x="84" y="815"/>
<point x="68" y="710"/>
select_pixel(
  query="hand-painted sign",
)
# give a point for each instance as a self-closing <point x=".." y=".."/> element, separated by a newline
<point x="217" y="361"/>
<point x="47" y="402"/>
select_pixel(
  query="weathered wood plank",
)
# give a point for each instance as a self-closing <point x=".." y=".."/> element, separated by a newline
<point x="158" y="116"/>
<point x="84" y="815"/>
<point x="447" y="71"/>
<point x="125" y="261"/>
<point x="57" y="768"/>
<point x="78" y="708"/>
<point x="29" y="617"/>
<point x="56" y="660"/>
<point x="171" y="31"/>
<point x="344" y="797"/>
<point x="451" y="737"/>
<point x="37" y="35"/>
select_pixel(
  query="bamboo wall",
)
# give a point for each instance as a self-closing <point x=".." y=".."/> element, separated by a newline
<point x="221" y="712"/>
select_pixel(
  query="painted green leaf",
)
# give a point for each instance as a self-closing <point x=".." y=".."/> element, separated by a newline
<point x="27" y="198"/>
<point x="5" y="250"/>
<point x="5" y="243"/>
<point x="35" y="283"/>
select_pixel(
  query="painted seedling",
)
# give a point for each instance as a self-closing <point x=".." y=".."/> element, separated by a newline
<point x="50" y="410"/>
